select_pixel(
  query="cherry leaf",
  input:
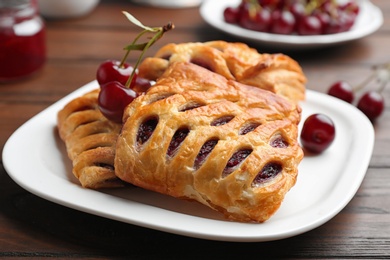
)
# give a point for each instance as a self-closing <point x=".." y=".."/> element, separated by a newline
<point x="135" y="21"/>
<point x="138" y="47"/>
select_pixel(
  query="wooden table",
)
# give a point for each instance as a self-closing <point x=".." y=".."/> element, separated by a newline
<point x="33" y="227"/>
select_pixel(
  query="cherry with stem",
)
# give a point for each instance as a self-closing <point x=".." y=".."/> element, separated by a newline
<point x="371" y="103"/>
<point x="115" y="95"/>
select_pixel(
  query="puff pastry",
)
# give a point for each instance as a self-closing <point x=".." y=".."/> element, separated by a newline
<point x="198" y="135"/>
<point x="90" y="141"/>
<point x="277" y="73"/>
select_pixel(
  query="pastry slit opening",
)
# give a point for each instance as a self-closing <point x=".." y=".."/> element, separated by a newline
<point x="222" y="120"/>
<point x="84" y="108"/>
<point x="190" y="106"/>
<point x="104" y="165"/>
<point x="85" y="123"/>
<point x="204" y="152"/>
<point x="234" y="162"/>
<point x="159" y="97"/>
<point x="98" y="144"/>
<point x="247" y="128"/>
<point x="146" y="130"/>
<point x="278" y="141"/>
<point x="177" y="140"/>
<point x="269" y="171"/>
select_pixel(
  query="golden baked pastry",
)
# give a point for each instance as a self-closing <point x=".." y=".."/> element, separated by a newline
<point x="197" y="135"/>
<point x="277" y="73"/>
<point x="90" y="141"/>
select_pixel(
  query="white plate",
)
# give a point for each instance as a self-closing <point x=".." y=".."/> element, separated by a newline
<point x="369" y="20"/>
<point x="35" y="158"/>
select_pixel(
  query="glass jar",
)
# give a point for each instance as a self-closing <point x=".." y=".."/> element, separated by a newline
<point x="22" y="39"/>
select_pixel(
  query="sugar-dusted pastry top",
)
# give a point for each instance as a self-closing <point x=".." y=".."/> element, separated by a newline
<point x="197" y="135"/>
<point x="90" y="141"/>
<point x="277" y="73"/>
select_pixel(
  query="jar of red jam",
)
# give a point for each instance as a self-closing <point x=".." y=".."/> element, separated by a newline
<point x="22" y="39"/>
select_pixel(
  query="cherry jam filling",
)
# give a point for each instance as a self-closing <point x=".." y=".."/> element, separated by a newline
<point x="235" y="160"/>
<point x="204" y="152"/>
<point x="279" y="142"/>
<point x="202" y="63"/>
<point x="222" y="120"/>
<point x="146" y="130"/>
<point x="269" y="171"/>
<point x="248" y="128"/>
<point x="177" y="139"/>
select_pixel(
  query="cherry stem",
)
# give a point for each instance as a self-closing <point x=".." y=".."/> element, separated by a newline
<point x="382" y="86"/>
<point x="374" y="75"/>
<point x="129" y="49"/>
<point x="254" y="7"/>
<point x="365" y="82"/>
<point x="315" y="4"/>
<point x="159" y="32"/>
<point x="145" y="46"/>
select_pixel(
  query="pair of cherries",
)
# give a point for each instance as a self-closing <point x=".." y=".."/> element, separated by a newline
<point x="119" y="82"/>
<point x="318" y="131"/>
<point x="372" y="102"/>
<point x="116" y="89"/>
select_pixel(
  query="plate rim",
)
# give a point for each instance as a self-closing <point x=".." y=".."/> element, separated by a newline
<point x="41" y="188"/>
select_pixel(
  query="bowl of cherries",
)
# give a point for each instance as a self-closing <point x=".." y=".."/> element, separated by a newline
<point x="294" y="23"/>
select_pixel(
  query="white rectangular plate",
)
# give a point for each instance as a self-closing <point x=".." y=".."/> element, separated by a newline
<point x="36" y="159"/>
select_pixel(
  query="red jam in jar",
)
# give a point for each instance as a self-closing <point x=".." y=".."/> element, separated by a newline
<point x="22" y="39"/>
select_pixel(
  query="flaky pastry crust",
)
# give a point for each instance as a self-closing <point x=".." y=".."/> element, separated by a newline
<point x="188" y="137"/>
<point x="90" y="141"/>
<point x="277" y="73"/>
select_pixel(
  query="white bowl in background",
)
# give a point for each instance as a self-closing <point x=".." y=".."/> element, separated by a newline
<point x="66" y="8"/>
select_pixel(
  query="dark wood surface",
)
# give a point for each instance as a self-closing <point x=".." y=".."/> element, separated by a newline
<point x="33" y="227"/>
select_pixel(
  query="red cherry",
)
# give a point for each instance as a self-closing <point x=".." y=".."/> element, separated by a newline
<point x="309" y="25"/>
<point x="342" y="90"/>
<point x="270" y="3"/>
<point x="111" y="70"/>
<point x="231" y="14"/>
<point x="327" y="6"/>
<point x="297" y="9"/>
<point x="347" y="20"/>
<point x="350" y="6"/>
<point x="324" y="19"/>
<point x="260" y="21"/>
<point x="371" y="104"/>
<point x="113" y="99"/>
<point x="318" y="133"/>
<point x="141" y="85"/>
<point x="333" y="26"/>
<point x="283" y="22"/>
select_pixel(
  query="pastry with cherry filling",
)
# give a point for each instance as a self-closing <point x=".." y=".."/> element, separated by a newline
<point x="90" y="140"/>
<point x="197" y="135"/>
<point x="277" y="73"/>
